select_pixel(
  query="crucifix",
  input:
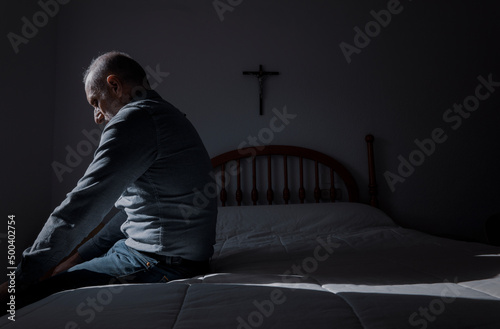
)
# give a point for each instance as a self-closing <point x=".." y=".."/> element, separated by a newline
<point x="261" y="75"/>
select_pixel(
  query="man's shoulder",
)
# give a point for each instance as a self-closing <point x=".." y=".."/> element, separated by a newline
<point x="130" y="118"/>
<point x="131" y="114"/>
<point x="147" y="106"/>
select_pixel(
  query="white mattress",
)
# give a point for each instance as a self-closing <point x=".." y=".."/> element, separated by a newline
<point x="339" y="265"/>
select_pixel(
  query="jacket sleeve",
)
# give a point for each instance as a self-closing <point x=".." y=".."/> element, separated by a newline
<point x="127" y="149"/>
<point x="99" y="244"/>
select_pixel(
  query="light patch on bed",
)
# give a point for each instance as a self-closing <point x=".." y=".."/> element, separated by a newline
<point x="281" y="281"/>
<point x="441" y="290"/>
<point x="489" y="287"/>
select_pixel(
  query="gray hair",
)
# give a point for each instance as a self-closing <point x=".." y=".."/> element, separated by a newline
<point x="116" y="63"/>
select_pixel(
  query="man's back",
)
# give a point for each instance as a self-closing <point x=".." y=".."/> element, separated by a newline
<point x="161" y="208"/>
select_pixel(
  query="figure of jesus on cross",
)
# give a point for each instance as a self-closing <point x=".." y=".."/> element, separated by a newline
<point x="261" y="75"/>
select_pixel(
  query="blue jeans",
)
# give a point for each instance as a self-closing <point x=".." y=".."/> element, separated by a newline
<point x="121" y="264"/>
<point x="133" y="266"/>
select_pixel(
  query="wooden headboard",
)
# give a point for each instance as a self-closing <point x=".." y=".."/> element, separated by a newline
<point x="257" y="166"/>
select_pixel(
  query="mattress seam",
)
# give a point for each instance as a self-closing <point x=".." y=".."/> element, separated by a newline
<point x="182" y="306"/>
<point x="353" y="310"/>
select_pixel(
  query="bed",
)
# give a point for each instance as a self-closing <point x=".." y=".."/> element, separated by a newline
<point x="306" y="254"/>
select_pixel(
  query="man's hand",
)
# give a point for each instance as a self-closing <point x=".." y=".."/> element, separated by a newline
<point x="73" y="260"/>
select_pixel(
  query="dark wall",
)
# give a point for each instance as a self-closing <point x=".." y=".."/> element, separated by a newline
<point x="27" y="118"/>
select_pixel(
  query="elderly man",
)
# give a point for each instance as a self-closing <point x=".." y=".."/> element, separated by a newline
<point x="151" y="165"/>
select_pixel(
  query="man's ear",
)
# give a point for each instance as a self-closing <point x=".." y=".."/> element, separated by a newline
<point x="115" y="84"/>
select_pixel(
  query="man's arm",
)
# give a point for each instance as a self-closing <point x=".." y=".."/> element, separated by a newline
<point x="96" y="246"/>
<point x="127" y="149"/>
<point x="99" y="244"/>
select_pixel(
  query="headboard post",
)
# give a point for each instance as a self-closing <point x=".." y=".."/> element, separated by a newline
<point x="372" y="185"/>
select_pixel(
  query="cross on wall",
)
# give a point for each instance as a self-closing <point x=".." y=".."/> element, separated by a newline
<point x="261" y="76"/>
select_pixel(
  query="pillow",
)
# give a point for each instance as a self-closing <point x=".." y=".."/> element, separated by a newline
<point x="312" y="218"/>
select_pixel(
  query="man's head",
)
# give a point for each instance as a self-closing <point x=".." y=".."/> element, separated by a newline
<point x="111" y="82"/>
